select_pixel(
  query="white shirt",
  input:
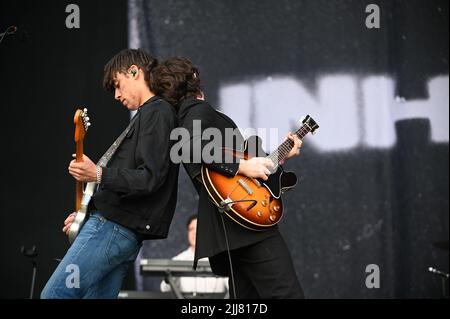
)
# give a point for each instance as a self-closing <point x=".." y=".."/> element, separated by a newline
<point x="196" y="284"/>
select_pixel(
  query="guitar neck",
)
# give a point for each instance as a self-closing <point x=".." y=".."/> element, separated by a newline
<point x="78" y="185"/>
<point x="283" y="150"/>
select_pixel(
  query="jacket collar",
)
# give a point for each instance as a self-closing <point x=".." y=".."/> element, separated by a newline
<point x="150" y="100"/>
<point x="186" y="105"/>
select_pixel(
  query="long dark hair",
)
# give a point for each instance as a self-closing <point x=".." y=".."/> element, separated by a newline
<point x="121" y="62"/>
<point x="176" y="79"/>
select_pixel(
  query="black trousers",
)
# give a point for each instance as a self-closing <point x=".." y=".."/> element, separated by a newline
<point x="263" y="270"/>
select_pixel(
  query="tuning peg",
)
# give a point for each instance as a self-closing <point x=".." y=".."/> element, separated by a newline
<point x="87" y="118"/>
<point x="85" y="110"/>
<point x="88" y="124"/>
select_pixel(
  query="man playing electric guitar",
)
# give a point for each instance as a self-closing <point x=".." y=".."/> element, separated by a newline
<point x="137" y="188"/>
<point x="260" y="265"/>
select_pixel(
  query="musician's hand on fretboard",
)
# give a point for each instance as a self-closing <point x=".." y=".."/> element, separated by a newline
<point x="295" y="151"/>
<point x="84" y="171"/>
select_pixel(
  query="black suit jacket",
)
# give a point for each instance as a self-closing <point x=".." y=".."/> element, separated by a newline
<point x="139" y="184"/>
<point x="210" y="232"/>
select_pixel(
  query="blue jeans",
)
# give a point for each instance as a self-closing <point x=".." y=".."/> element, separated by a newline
<point x="96" y="263"/>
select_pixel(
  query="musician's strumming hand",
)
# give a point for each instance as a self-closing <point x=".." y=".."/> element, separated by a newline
<point x="85" y="171"/>
<point x="295" y="151"/>
<point x="256" y="167"/>
<point x="68" y="222"/>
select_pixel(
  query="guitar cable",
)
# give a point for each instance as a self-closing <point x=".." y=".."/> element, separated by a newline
<point x="229" y="254"/>
<point x="222" y="209"/>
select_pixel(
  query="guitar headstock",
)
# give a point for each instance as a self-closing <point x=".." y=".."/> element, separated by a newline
<point x="81" y="121"/>
<point x="309" y="121"/>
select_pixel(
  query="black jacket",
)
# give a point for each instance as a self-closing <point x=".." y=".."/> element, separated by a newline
<point x="139" y="184"/>
<point x="210" y="233"/>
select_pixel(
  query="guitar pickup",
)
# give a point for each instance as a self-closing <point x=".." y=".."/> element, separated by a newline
<point x="245" y="186"/>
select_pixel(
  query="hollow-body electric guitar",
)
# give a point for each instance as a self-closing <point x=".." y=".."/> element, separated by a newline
<point x="254" y="203"/>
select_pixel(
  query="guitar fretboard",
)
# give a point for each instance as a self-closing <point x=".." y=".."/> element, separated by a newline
<point x="283" y="150"/>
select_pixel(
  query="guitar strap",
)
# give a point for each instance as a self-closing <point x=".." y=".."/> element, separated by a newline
<point x="91" y="186"/>
<point x="113" y="148"/>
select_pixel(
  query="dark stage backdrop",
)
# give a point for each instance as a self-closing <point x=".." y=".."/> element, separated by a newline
<point x="46" y="72"/>
<point x="374" y="179"/>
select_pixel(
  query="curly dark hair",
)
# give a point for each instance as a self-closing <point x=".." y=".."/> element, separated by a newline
<point x="121" y="62"/>
<point x="176" y="79"/>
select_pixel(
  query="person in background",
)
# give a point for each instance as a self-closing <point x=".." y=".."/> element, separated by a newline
<point x="195" y="285"/>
